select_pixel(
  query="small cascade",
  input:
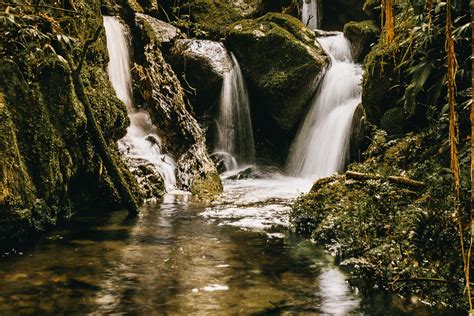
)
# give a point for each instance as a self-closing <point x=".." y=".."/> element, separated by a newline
<point x="235" y="143"/>
<point x="311" y="14"/>
<point x="321" y="146"/>
<point x="141" y="145"/>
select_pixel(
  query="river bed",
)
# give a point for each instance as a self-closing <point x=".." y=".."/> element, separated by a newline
<point x="180" y="257"/>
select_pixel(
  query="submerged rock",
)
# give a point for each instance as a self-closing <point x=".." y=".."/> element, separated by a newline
<point x="162" y="96"/>
<point x="201" y="65"/>
<point x="282" y="65"/>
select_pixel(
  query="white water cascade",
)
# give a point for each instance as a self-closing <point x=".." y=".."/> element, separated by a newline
<point x="141" y="144"/>
<point x="322" y="144"/>
<point x="235" y="143"/>
<point x="311" y="13"/>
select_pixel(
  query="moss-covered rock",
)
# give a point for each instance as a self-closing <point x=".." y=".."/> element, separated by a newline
<point x="194" y="59"/>
<point x="381" y="86"/>
<point x="210" y="18"/>
<point x="282" y="64"/>
<point x="51" y="168"/>
<point x="159" y="91"/>
<point x="362" y="36"/>
<point x="387" y="230"/>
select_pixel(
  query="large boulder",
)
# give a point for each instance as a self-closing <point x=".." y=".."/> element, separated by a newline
<point x="209" y="18"/>
<point x="282" y="64"/>
<point x="160" y="93"/>
<point x="166" y="34"/>
<point x="193" y="60"/>
<point x="362" y="36"/>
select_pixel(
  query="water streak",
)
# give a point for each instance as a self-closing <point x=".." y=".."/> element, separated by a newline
<point x="141" y="145"/>
<point x="322" y="145"/>
<point x="311" y="13"/>
<point x="234" y="124"/>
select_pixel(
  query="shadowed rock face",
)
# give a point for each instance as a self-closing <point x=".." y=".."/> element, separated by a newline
<point x="282" y="65"/>
<point x="49" y="165"/>
<point x="161" y="94"/>
<point x="201" y="65"/>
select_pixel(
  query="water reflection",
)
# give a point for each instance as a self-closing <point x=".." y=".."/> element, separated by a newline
<point x="171" y="260"/>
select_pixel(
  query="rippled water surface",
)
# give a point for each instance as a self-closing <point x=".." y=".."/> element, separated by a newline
<point x="180" y="257"/>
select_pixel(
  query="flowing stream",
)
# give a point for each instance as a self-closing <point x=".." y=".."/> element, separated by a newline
<point x="322" y="144"/>
<point x="141" y="144"/>
<point x="235" y="141"/>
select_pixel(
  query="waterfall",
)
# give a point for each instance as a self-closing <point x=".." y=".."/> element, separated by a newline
<point x="311" y="13"/>
<point x="141" y="145"/>
<point x="321" y="146"/>
<point x="235" y="143"/>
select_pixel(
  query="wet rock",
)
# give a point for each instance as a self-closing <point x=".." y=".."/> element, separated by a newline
<point x="359" y="140"/>
<point x="224" y="161"/>
<point x="282" y="65"/>
<point x="160" y="93"/>
<point x="193" y="60"/>
<point x="362" y="36"/>
<point x="166" y="34"/>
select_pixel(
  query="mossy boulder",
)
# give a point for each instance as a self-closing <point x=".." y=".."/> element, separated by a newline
<point x="387" y="230"/>
<point x="380" y="88"/>
<point x="159" y="91"/>
<point x="210" y="18"/>
<point x="193" y="60"/>
<point x="282" y="64"/>
<point x="166" y="34"/>
<point x="362" y="36"/>
<point x="50" y="166"/>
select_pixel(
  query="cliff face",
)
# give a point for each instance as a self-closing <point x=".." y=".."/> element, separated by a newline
<point x="50" y="166"/>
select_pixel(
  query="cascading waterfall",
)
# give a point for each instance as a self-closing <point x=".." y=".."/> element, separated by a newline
<point x="311" y="13"/>
<point x="141" y="144"/>
<point x="235" y="141"/>
<point x="322" y="144"/>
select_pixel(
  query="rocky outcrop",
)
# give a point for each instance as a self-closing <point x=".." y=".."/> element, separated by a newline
<point x="166" y="34"/>
<point x="282" y="65"/>
<point x="160" y="93"/>
<point x="50" y="166"/>
<point x="193" y="60"/>
<point x="362" y="36"/>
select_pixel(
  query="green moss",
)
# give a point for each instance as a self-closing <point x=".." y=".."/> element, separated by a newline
<point x="207" y="188"/>
<point x="213" y="16"/>
<point x="282" y="78"/>
<point x="367" y="27"/>
<point x="388" y="231"/>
